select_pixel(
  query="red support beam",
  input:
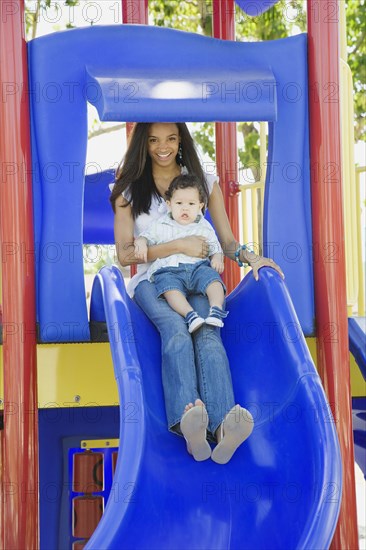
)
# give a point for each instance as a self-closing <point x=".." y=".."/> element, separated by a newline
<point x="134" y="12"/>
<point x="328" y="231"/>
<point x="226" y="142"/>
<point x="19" y="453"/>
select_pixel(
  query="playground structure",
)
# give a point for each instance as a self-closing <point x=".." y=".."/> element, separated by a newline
<point x="66" y="310"/>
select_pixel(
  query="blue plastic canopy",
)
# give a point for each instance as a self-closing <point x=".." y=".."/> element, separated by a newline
<point x="255" y="7"/>
<point x="126" y="73"/>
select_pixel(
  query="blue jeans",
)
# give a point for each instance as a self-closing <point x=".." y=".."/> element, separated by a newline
<point x="194" y="366"/>
<point x="187" y="278"/>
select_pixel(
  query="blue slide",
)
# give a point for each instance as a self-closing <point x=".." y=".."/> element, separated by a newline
<point x="282" y="489"/>
<point x="357" y="341"/>
<point x="357" y="346"/>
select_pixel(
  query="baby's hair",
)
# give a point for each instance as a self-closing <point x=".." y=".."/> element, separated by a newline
<point x="185" y="181"/>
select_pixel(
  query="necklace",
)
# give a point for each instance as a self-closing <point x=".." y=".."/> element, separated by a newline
<point x="160" y="187"/>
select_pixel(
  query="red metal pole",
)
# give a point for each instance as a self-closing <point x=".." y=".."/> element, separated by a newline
<point x="328" y="235"/>
<point x="226" y="142"/>
<point x="20" y="439"/>
<point x="134" y="12"/>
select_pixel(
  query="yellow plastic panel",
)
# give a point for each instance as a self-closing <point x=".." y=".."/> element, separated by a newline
<point x="75" y="374"/>
<point x="358" y="384"/>
<point x="311" y="342"/>
<point x="99" y="443"/>
<point x="82" y="374"/>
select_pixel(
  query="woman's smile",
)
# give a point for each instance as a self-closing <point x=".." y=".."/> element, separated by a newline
<point x="163" y="156"/>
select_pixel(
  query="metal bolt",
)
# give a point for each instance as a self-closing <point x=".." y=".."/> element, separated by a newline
<point x="234" y="188"/>
<point x="77" y="398"/>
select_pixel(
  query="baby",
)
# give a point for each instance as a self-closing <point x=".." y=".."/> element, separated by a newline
<point x="178" y="275"/>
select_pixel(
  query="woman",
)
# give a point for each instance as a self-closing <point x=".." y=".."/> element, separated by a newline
<point x="196" y="376"/>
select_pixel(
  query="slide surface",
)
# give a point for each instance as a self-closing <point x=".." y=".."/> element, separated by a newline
<point x="282" y="489"/>
<point x="357" y="341"/>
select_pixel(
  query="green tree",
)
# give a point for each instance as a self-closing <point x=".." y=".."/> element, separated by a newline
<point x="356" y="42"/>
<point x="187" y="15"/>
<point x="35" y="10"/>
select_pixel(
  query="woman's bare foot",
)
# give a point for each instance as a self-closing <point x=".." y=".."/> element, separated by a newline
<point x="193" y="426"/>
<point x="232" y="432"/>
<point x="197" y="403"/>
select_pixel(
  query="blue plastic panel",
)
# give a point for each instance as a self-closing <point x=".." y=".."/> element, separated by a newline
<point x="98" y="213"/>
<point x="182" y="91"/>
<point x="359" y="431"/>
<point x="282" y="489"/>
<point x="59" y="430"/>
<point x="105" y="477"/>
<point x="357" y="341"/>
<point x="255" y="7"/>
<point x="58" y="73"/>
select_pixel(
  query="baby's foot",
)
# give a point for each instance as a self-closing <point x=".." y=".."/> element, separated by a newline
<point x="215" y="316"/>
<point x="194" y="427"/>
<point x="194" y="321"/>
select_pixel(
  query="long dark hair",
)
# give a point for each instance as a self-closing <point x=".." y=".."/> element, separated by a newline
<point x="135" y="171"/>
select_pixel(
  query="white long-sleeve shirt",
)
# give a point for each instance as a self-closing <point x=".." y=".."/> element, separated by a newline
<point x="166" y="229"/>
<point x="142" y="222"/>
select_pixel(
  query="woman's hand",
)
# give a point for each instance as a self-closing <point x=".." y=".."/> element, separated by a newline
<point x="140" y="245"/>
<point x="195" y="246"/>
<point x="256" y="262"/>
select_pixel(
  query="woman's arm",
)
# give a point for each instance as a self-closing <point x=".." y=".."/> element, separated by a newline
<point x="228" y="242"/>
<point x="124" y="240"/>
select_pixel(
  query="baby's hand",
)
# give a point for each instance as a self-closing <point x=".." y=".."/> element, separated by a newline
<point x="217" y="262"/>
<point x="140" y="245"/>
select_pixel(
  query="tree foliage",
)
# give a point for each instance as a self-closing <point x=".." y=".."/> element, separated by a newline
<point x="187" y="15"/>
<point x="356" y="42"/>
<point x="34" y="10"/>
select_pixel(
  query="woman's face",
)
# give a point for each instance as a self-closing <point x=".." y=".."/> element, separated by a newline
<point x="163" y="144"/>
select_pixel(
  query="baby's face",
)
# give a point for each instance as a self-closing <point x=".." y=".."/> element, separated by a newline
<point x="185" y="205"/>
